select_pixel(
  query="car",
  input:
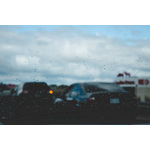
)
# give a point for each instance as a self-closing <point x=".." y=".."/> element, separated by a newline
<point x="4" y="90"/>
<point x="33" y="95"/>
<point x="98" y="98"/>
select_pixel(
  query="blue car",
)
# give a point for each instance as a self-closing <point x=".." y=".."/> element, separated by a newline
<point x="97" y="98"/>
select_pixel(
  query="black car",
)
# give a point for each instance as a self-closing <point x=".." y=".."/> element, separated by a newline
<point x="36" y="90"/>
<point x="33" y="96"/>
<point x="98" y="98"/>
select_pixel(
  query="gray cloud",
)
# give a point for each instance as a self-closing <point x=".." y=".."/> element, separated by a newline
<point x="68" y="55"/>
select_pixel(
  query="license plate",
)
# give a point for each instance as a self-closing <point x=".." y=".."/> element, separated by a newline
<point x="114" y="101"/>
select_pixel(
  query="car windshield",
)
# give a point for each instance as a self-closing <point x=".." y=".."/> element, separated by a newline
<point x="100" y="87"/>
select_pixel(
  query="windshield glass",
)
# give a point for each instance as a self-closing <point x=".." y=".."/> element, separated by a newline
<point x="41" y="61"/>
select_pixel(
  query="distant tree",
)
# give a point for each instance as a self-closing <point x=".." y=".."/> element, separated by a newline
<point x="62" y="86"/>
<point x="53" y="86"/>
<point x="3" y="87"/>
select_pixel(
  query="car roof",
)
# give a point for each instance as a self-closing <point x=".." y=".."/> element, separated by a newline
<point x="35" y="82"/>
<point x="81" y="83"/>
<point x="23" y="83"/>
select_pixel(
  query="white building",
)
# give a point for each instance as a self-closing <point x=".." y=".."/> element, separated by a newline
<point x="138" y="85"/>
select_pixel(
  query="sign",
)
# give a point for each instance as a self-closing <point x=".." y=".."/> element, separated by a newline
<point x="143" y="81"/>
<point x="125" y="82"/>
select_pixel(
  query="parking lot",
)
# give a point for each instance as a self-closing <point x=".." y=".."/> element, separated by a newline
<point x="45" y="115"/>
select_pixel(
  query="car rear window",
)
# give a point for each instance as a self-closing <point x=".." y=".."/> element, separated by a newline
<point x="35" y="86"/>
<point x="100" y="87"/>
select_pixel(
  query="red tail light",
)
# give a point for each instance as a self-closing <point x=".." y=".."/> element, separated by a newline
<point x="92" y="98"/>
<point x="25" y="92"/>
<point x="91" y="101"/>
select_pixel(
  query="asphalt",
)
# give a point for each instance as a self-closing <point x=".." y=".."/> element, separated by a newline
<point x="44" y="116"/>
<point x="51" y="119"/>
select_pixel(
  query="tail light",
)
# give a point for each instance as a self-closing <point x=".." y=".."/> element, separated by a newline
<point x="25" y="91"/>
<point x="92" y="98"/>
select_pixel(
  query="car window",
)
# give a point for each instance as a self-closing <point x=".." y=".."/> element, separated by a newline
<point x="80" y="89"/>
<point x="35" y="86"/>
<point x="75" y="88"/>
<point x="67" y="91"/>
<point x="74" y="91"/>
<point x="99" y="87"/>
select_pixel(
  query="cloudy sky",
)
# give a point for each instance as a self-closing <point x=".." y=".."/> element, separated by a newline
<point x="68" y="54"/>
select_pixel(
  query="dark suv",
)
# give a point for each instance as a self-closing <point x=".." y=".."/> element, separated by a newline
<point x="34" y="96"/>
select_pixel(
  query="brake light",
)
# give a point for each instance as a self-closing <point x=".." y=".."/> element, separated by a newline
<point x="92" y="98"/>
<point x="50" y="92"/>
<point x="25" y="92"/>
